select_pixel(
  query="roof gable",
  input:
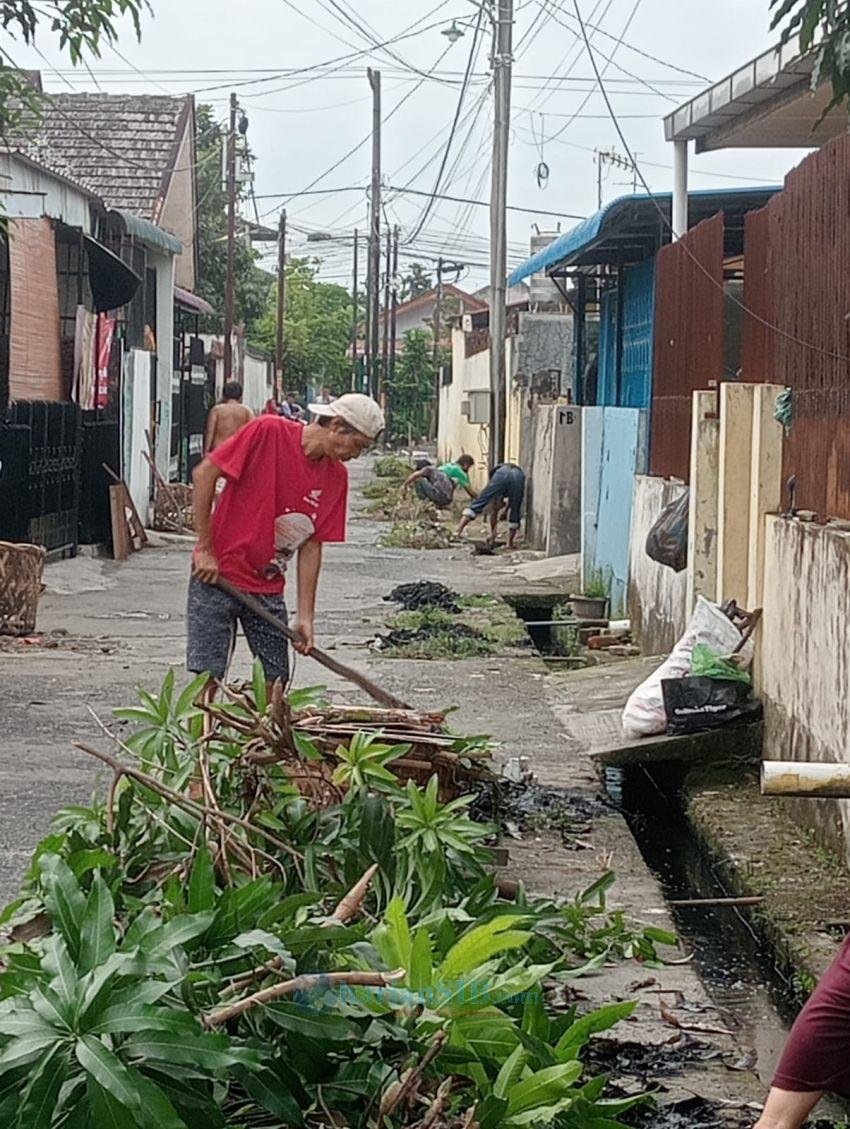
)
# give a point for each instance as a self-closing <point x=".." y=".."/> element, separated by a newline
<point x="121" y="146"/>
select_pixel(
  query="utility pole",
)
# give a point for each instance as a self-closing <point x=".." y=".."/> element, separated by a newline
<point x="375" y="229"/>
<point x="503" y="36"/>
<point x="230" y="286"/>
<point x="354" y="311"/>
<point x="393" y="318"/>
<point x="435" y="349"/>
<point x="367" y="313"/>
<point x="281" y="307"/>
<point x="385" y="323"/>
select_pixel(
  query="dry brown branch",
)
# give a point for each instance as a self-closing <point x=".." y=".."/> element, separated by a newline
<point x="110" y="802"/>
<point x="196" y="809"/>
<point x="398" y="1093"/>
<point x="305" y="983"/>
<point x="437" y="1105"/>
<point x="353" y="901"/>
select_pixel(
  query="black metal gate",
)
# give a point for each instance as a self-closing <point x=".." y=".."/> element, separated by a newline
<point x="52" y="484"/>
<point x="100" y="444"/>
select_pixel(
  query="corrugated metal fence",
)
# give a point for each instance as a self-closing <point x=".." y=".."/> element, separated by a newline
<point x="797" y="278"/>
<point x="688" y="349"/>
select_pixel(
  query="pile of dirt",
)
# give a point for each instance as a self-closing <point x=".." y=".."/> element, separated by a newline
<point x="424" y="594"/>
<point x="58" y="640"/>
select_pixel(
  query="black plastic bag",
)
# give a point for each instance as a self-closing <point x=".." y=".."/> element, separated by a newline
<point x="667" y="541"/>
<point x="696" y="703"/>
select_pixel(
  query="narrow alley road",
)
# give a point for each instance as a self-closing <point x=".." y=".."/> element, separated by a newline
<point x="125" y="627"/>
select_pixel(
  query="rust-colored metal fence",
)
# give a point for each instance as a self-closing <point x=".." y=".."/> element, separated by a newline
<point x="688" y="350"/>
<point x="797" y="278"/>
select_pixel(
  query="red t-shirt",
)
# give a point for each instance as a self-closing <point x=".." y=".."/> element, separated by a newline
<point x="275" y="500"/>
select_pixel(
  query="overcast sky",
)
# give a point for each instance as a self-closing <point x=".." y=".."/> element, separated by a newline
<point x="300" y="125"/>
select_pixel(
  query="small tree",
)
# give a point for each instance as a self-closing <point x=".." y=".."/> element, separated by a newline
<point x="412" y="389"/>
<point x="317" y="329"/>
<point x="417" y="281"/>
<point x="252" y="285"/>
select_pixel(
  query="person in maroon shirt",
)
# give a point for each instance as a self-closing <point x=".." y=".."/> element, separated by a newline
<point x="816" y="1058"/>
<point x="285" y="495"/>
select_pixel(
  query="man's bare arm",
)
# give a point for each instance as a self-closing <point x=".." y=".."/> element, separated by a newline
<point x="204" y="478"/>
<point x="209" y="431"/>
<point x="309" y="566"/>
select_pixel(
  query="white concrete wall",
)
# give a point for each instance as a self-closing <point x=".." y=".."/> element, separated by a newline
<point x="456" y="435"/>
<point x="164" y="266"/>
<point x="135" y="419"/>
<point x="657" y="594"/>
<point x="257" y="382"/>
<point x="539" y="465"/>
<point x="805" y="658"/>
<point x="178" y="208"/>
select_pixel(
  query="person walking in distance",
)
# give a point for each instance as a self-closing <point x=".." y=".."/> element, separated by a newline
<point x="287" y="488"/>
<point x="225" y="418"/>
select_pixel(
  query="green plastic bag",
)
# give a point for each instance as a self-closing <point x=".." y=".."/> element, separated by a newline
<point x="706" y="664"/>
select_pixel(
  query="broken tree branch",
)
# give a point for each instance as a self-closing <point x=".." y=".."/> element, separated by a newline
<point x="201" y="811"/>
<point x="306" y="983"/>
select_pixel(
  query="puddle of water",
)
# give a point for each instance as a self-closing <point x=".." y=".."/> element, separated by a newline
<point x="736" y="967"/>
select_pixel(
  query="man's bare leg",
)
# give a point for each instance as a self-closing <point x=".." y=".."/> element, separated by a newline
<point x="786" y="1109"/>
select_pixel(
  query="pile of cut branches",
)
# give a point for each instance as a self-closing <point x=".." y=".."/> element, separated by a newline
<point x="204" y="948"/>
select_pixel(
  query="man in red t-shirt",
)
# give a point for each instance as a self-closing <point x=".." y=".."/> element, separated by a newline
<point x="286" y="493"/>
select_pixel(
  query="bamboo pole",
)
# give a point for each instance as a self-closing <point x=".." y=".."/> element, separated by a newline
<point x="805" y="778"/>
<point x="306" y="983"/>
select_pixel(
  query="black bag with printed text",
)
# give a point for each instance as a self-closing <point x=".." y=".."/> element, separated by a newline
<point x="695" y="703"/>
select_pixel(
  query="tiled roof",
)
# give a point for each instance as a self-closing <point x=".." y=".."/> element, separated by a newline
<point x="121" y="146"/>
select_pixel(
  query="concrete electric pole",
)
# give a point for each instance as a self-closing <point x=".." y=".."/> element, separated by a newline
<point x="355" y="308"/>
<point x="375" y="233"/>
<point x="502" y="36"/>
<point x="281" y="307"/>
<point x="230" y="285"/>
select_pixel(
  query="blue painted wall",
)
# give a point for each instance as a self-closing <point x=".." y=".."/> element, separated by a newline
<point x="638" y="313"/>
<point x="614" y="451"/>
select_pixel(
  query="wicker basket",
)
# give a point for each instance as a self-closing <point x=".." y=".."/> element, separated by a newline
<point x="21" y="568"/>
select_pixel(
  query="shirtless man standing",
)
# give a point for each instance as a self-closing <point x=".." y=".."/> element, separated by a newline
<point x="226" y="418"/>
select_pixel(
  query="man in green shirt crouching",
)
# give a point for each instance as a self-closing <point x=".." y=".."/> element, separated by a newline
<point x="437" y="484"/>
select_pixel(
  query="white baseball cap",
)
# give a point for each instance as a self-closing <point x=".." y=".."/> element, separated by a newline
<point x="358" y="411"/>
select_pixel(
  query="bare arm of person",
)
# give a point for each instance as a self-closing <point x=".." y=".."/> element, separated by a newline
<point x="417" y="474"/>
<point x="204" y="478"/>
<point x="472" y="493"/>
<point x="309" y="567"/>
<point x="210" y="430"/>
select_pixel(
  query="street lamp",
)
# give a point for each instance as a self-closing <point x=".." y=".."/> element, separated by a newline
<point x="453" y="33"/>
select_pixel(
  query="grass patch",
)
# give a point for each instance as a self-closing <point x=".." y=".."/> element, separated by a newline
<point x="485" y="626"/>
<point x="391" y="466"/>
<point x="415" y="533"/>
<point x="566" y="639"/>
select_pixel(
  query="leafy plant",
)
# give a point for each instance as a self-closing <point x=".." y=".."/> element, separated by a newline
<point x="822" y="26"/>
<point x="596" y="586"/>
<point x="275" y="956"/>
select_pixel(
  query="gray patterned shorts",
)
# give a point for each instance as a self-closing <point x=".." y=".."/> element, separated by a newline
<point x="211" y="618"/>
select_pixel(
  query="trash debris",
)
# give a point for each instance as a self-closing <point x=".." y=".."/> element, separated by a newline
<point x="667" y="541"/>
<point x="644" y="714"/>
<point x="424" y="594"/>
<point x="527" y="807"/>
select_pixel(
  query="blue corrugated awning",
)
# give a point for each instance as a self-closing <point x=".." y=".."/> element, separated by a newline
<point x="629" y="229"/>
<point x="148" y="233"/>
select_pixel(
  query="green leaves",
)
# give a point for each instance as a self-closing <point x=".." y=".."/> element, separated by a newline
<point x="202" y="883"/>
<point x="480" y="944"/>
<point x="363" y="762"/>
<point x="42" y="1091"/>
<point x="97" y="934"/>
<point x="108" y="1071"/>
<point x="63" y="900"/>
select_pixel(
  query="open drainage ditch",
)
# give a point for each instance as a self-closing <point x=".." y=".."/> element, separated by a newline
<point x="738" y="968"/>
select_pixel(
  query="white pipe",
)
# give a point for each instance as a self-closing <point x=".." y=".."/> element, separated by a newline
<point x="679" y="217"/>
<point x="805" y="778"/>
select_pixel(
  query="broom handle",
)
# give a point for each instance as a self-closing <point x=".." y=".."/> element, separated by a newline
<point x="325" y="660"/>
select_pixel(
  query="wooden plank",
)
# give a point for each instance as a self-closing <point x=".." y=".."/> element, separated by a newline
<point x="121" y="546"/>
